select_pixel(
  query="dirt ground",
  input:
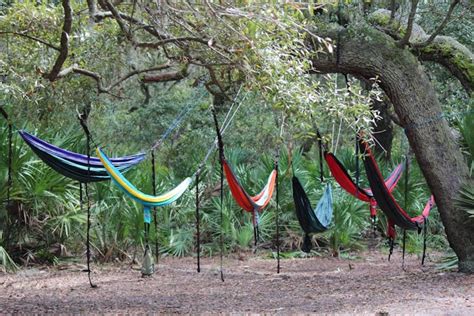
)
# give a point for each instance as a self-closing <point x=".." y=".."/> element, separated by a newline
<point x="368" y="285"/>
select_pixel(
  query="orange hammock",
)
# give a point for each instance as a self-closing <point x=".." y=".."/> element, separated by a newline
<point x="249" y="203"/>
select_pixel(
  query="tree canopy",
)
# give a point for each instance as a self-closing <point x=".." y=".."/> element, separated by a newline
<point x="130" y="66"/>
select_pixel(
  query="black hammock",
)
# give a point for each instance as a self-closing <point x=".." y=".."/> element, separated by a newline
<point x="312" y="220"/>
<point x="386" y="202"/>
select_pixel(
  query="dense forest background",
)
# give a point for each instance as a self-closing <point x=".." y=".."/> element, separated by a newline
<point x="258" y="67"/>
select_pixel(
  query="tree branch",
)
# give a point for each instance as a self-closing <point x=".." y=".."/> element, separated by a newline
<point x="101" y="88"/>
<point x="452" y="55"/>
<point x="444" y="50"/>
<point x="172" y="40"/>
<point x="119" y="20"/>
<point x="100" y="15"/>
<point x="64" y="46"/>
<point x="215" y="81"/>
<point x="411" y="19"/>
<point x="167" y="76"/>
<point x="438" y="30"/>
<point x="75" y="69"/>
<point x="33" y="38"/>
<point x="137" y="72"/>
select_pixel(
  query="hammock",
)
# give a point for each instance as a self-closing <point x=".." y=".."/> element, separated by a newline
<point x="254" y="204"/>
<point x="76" y="166"/>
<point x="312" y="221"/>
<point x="340" y="174"/>
<point x="385" y="200"/>
<point x="146" y="200"/>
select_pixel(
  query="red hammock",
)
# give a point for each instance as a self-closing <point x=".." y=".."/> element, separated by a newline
<point x="342" y="177"/>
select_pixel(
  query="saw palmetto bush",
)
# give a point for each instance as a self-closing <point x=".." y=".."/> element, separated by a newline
<point x="43" y="212"/>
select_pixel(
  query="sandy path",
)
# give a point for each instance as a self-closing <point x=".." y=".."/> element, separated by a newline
<point x="312" y="285"/>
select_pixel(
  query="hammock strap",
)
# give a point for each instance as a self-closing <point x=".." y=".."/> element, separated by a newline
<point x="10" y="154"/>
<point x="198" y="236"/>
<point x="320" y="145"/>
<point x="256" y="231"/>
<point x="357" y="175"/>
<point x="391" y="243"/>
<point x="407" y="165"/>
<point x="425" y="224"/>
<point x="10" y="161"/>
<point x="83" y="122"/>
<point x="227" y="121"/>
<point x="155" y="215"/>
<point x="403" y="248"/>
<point x="374" y="226"/>
<point x="221" y="159"/>
<point x="146" y="230"/>
<point x="278" y="216"/>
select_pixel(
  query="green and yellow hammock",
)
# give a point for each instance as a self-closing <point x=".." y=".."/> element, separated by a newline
<point x="148" y="201"/>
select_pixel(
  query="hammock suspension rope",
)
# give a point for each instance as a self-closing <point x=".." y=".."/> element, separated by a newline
<point x="227" y="121"/>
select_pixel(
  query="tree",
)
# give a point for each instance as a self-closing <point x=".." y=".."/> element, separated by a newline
<point x="271" y="47"/>
<point x="367" y="52"/>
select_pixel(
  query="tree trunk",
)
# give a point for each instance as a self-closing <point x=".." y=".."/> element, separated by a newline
<point x="368" y="53"/>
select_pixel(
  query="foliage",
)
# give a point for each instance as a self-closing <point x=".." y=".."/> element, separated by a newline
<point x="6" y="263"/>
<point x="265" y="49"/>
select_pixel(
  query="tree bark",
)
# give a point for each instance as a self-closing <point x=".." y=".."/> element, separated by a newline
<point x="444" y="50"/>
<point x="456" y="58"/>
<point x="366" y="52"/>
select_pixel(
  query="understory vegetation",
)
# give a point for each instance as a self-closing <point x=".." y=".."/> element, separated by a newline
<point x="45" y="220"/>
<point x="255" y="69"/>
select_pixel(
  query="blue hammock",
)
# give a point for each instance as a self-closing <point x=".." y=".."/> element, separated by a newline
<point x="77" y="166"/>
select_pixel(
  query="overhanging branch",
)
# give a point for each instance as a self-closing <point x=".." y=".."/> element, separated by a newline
<point x="64" y="46"/>
<point x="101" y="88"/>
<point x="167" y="76"/>
<point x="444" y="50"/>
